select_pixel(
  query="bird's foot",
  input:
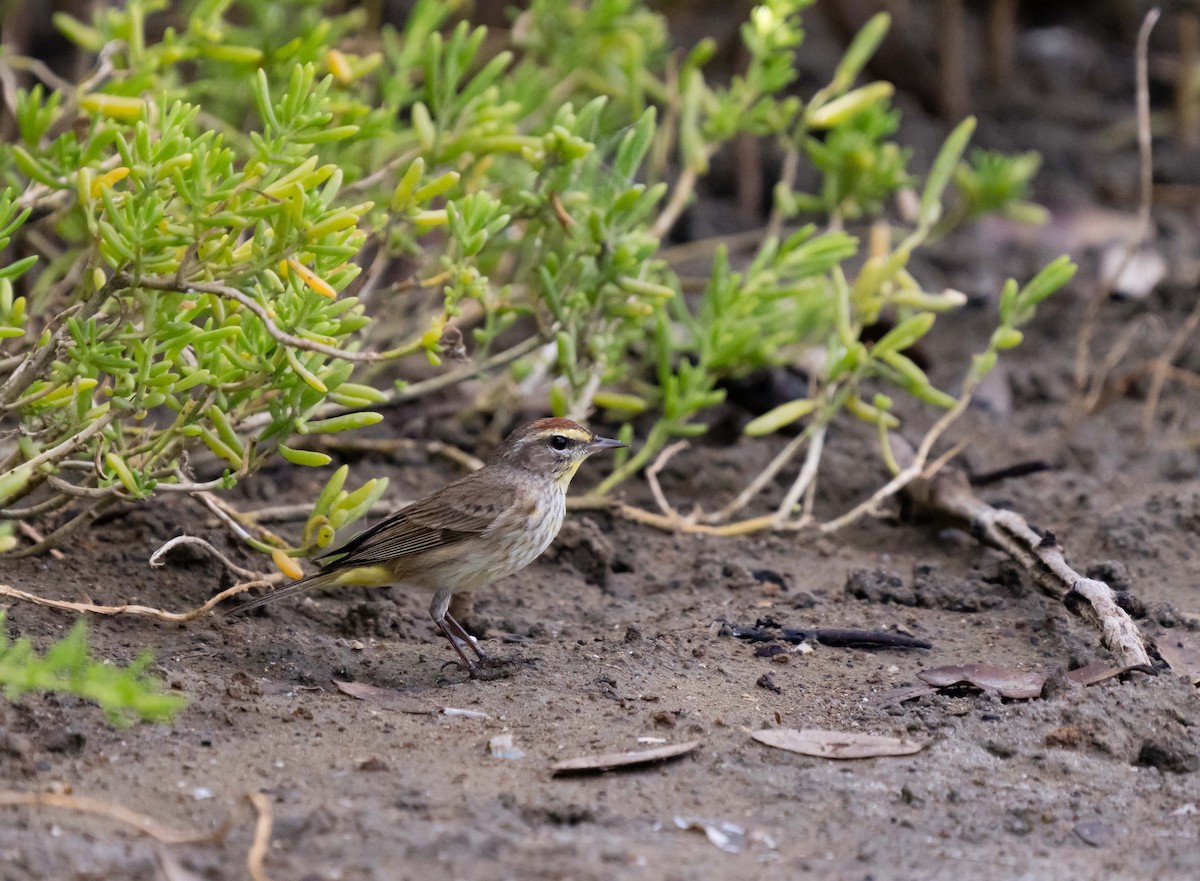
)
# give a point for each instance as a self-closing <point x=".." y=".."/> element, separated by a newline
<point x="490" y="667"/>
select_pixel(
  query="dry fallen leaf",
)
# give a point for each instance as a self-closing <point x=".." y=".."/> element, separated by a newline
<point x="611" y="761"/>
<point x="836" y="744"/>
<point x="1006" y="681"/>
<point x="1183" y="656"/>
<point x="1096" y="672"/>
<point x="389" y="697"/>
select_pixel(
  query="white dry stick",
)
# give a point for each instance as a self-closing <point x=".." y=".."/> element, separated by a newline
<point x="761" y="480"/>
<point x="652" y="478"/>
<point x="808" y="473"/>
<point x="1143" y="228"/>
<point x="157" y="558"/>
<point x="948" y="496"/>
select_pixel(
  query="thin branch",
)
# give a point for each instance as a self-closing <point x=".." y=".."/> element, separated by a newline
<point x="679" y="199"/>
<point x="220" y="290"/>
<point x="808" y="473"/>
<point x="388" y="445"/>
<point x="34" y="364"/>
<point x="950" y="497"/>
<point x="787" y="179"/>
<point x="74" y="490"/>
<point x="30" y="532"/>
<point x="302" y="510"/>
<point x="652" y="472"/>
<point x="437" y="383"/>
<point x="232" y="518"/>
<point x="908" y="474"/>
<point x="44" y="507"/>
<point x="704" y="248"/>
<point x="157" y="558"/>
<point x="1116" y="354"/>
<point x="262" y="836"/>
<point x="142" y="611"/>
<point x="80" y="521"/>
<point x="1145" y="202"/>
<point x="1162" y="365"/>
<point x="143" y="823"/>
<point x="380" y="175"/>
<point x="761" y="480"/>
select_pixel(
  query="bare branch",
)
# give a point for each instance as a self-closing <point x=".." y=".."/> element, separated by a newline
<point x="155" y="283"/>
<point x="142" y="611"/>
<point x="157" y="558"/>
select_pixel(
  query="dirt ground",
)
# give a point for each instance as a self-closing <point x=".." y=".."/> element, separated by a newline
<point x="1083" y="783"/>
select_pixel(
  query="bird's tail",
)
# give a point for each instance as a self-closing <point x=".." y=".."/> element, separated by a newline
<point x="318" y="579"/>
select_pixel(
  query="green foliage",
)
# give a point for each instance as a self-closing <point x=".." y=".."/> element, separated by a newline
<point x="860" y="169"/>
<point x="997" y="182"/>
<point x="125" y="694"/>
<point x="217" y="213"/>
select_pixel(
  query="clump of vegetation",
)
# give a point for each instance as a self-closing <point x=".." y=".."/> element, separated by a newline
<point x="126" y="694"/>
<point x="218" y="244"/>
<point x="221" y="238"/>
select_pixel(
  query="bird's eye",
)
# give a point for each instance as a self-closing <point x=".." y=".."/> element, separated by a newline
<point x="558" y="442"/>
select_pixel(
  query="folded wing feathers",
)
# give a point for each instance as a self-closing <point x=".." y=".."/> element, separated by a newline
<point x="422" y="526"/>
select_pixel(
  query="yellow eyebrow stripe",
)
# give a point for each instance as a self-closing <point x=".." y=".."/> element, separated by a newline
<point x="573" y="433"/>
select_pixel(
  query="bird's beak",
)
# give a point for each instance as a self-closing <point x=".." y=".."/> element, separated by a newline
<point x="597" y="444"/>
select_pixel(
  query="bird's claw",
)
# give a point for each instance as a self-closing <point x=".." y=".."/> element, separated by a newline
<point x="489" y="667"/>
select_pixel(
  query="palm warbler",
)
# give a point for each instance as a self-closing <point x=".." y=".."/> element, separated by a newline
<point x="485" y="526"/>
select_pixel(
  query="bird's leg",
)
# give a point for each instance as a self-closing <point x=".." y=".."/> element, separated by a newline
<point x="462" y="634"/>
<point x="439" y="611"/>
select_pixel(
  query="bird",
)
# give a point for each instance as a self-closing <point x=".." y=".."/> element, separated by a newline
<point x="478" y="529"/>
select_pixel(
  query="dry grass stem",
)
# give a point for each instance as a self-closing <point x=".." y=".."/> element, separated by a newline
<point x="652" y="473"/>
<point x="1141" y="232"/>
<point x="207" y="287"/>
<point x="302" y="510"/>
<point x="121" y="814"/>
<point x="804" y="480"/>
<point x="674" y="207"/>
<point x="157" y="558"/>
<point x="1161" y="367"/>
<point x="761" y="480"/>
<point x="909" y="473"/>
<point x="143" y="611"/>
<point x="31" y="533"/>
<point x="262" y="836"/>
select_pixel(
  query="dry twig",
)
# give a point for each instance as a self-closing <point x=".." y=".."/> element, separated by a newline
<point x="948" y="496"/>
<point x="141" y="822"/>
<point x="262" y="836"/>
<point x="229" y="293"/>
<point x="156" y="559"/>
<point x="1141" y="231"/>
<point x="143" y="611"/>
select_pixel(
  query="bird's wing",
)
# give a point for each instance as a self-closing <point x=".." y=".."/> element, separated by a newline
<point x="455" y="513"/>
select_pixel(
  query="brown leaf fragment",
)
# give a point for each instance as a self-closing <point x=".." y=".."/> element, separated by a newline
<point x="1006" y="681"/>
<point x="1183" y="655"/>
<point x="837" y="744"/>
<point x="613" y="761"/>
<point x="389" y="697"/>
<point x="1098" y="671"/>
